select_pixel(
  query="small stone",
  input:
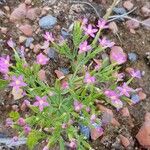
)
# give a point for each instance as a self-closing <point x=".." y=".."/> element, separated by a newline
<point x="145" y="11"/>
<point x="2" y="14"/>
<point x="135" y="98"/>
<point x="132" y="57"/>
<point x="37" y="48"/>
<point x="113" y="27"/>
<point x="117" y="55"/>
<point x="147" y="23"/>
<point x="28" y="2"/>
<point x="15" y="107"/>
<point x="125" y="112"/>
<point x="96" y="132"/>
<point x="64" y="70"/>
<point x="119" y="11"/>
<point x="22" y="39"/>
<point x="59" y="74"/>
<point x="147" y="117"/>
<point x="7" y="8"/>
<point x="128" y="5"/>
<point x="51" y="53"/>
<point x="124" y="141"/>
<point x="26" y="29"/>
<point x="142" y="95"/>
<point x="114" y="122"/>
<point x="29" y="41"/>
<point x="131" y="24"/>
<point x="42" y="75"/>
<point x="143" y="136"/>
<point x="4" y="30"/>
<point x="19" y="13"/>
<point x="17" y="94"/>
<point x="64" y="33"/>
<point x="31" y="46"/>
<point x="47" y="22"/>
<point x="33" y="13"/>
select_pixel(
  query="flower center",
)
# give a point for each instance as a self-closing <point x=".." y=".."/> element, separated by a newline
<point x="17" y="82"/>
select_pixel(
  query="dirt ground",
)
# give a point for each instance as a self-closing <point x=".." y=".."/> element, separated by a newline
<point x="139" y="43"/>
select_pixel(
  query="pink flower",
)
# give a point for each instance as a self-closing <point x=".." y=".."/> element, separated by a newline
<point x="17" y="82"/>
<point x="102" y="24"/>
<point x="9" y="122"/>
<point x="89" y="30"/>
<point x="42" y="59"/>
<point x="93" y="118"/>
<point x="84" y="47"/>
<point x="27" y="129"/>
<point x="119" y="76"/>
<point x="106" y="43"/>
<point x="115" y="101"/>
<point x="88" y="109"/>
<point x="124" y="90"/>
<point x="84" y="22"/>
<point x="4" y="64"/>
<point x="73" y="144"/>
<point x="135" y="73"/>
<point x="65" y="85"/>
<point x="77" y="106"/>
<point x="41" y="102"/>
<point x="49" y="36"/>
<point x="89" y="79"/>
<point x="98" y="64"/>
<point x="26" y="102"/>
<point x="64" y="126"/>
<point x="11" y="43"/>
<point x="21" y="122"/>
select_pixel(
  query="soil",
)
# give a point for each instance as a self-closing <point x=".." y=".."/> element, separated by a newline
<point x="139" y="43"/>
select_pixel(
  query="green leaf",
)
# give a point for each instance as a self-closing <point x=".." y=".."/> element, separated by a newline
<point x="33" y="138"/>
<point x="61" y="144"/>
<point x="14" y="115"/>
<point x="3" y="84"/>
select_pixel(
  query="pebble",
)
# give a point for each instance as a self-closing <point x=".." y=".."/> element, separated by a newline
<point x="64" y="70"/>
<point x="114" y="122"/>
<point x="29" y="41"/>
<point x="51" y="53"/>
<point x="119" y="10"/>
<point x="22" y="39"/>
<point x="42" y="75"/>
<point x="125" y="112"/>
<point x="128" y="5"/>
<point x="145" y="11"/>
<point x="142" y="95"/>
<point x="19" y="13"/>
<point x="143" y="135"/>
<point x="113" y="27"/>
<point x="28" y="2"/>
<point x="37" y="48"/>
<point x="26" y="29"/>
<point x="33" y="13"/>
<point x="7" y="8"/>
<point x="124" y="141"/>
<point x="64" y="33"/>
<point x="132" y="57"/>
<point x="47" y="22"/>
<point x="2" y="14"/>
<point x="85" y="131"/>
<point x="135" y="98"/>
<point x="131" y="24"/>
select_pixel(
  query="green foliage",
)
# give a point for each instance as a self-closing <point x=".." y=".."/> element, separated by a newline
<point x="3" y="84"/>
<point x="14" y="115"/>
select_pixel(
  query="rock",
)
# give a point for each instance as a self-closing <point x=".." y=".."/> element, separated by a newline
<point x="28" y="2"/>
<point x="132" y="57"/>
<point x="59" y="74"/>
<point x="147" y="117"/>
<point x="135" y="98"/>
<point x="37" y="48"/>
<point x="19" y="13"/>
<point x="145" y="11"/>
<point x="128" y="5"/>
<point x="42" y="75"/>
<point x="2" y="14"/>
<point x="117" y="55"/>
<point x="143" y="136"/>
<point x="17" y="94"/>
<point x="131" y="24"/>
<point x="26" y="29"/>
<point x="96" y="132"/>
<point x="33" y="13"/>
<point x="147" y="23"/>
<point x="125" y="112"/>
<point x="85" y="131"/>
<point x="142" y="95"/>
<point x="114" y="122"/>
<point x="3" y="30"/>
<point x="29" y="41"/>
<point x="22" y="39"/>
<point x="119" y="11"/>
<point x="113" y="27"/>
<point x="47" y="22"/>
<point x="64" y="33"/>
<point x="7" y="8"/>
<point x="124" y="141"/>
<point x="64" y="70"/>
<point x="51" y="53"/>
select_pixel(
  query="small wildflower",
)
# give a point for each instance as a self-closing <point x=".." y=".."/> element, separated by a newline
<point x="49" y="37"/>
<point x="64" y="126"/>
<point x="11" y="43"/>
<point x="17" y="82"/>
<point x="42" y="59"/>
<point x="84" y="22"/>
<point x="46" y="148"/>
<point x="45" y="45"/>
<point x="90" y="31"/>
<point x="89" y="79"/>
<point x="124" y="90"/>
<point x="4" y="64"/>
<point x="9" y="122"/>
<point x="106" y="43"/>
<point x="119" y="76"/>
<point x="73" y="144"/>
<point x="135" y="73"/>
<point x="27" y="129"/>
<point x="88" y="109"/>
<point x="26" y="102"/>
<point x="65" y="85"/>
<point x="22" y="52"/>
<point x="102" y="24"/>
<point x="21" y="122"/>
<point x="77" y="106"/>
<point x="93" y="118"/>
<point x="84" y="47"/>
<point x="98" y="64"/>
<point x="41" y="102"/>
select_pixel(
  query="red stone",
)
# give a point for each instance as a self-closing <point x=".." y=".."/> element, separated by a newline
<point x="124" y="141"/>
<point x="26" y="29"/>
